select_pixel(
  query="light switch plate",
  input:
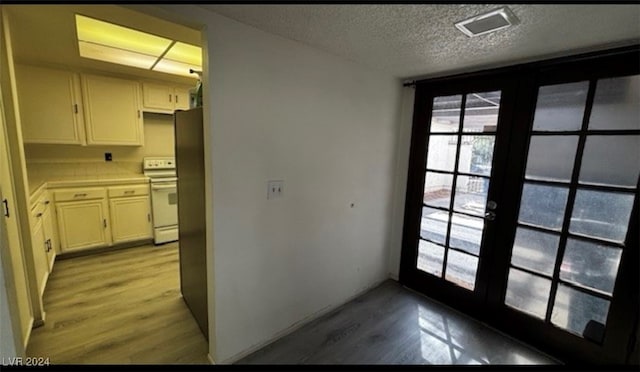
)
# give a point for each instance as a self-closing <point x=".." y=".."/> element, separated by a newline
<point x="275" y="189"/>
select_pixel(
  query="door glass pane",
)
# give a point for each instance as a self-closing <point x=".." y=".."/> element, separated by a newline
<point x="445" y="116"/>
<point x="461" y="269"/>
<point x="430" y="257"/>
<point x="543" y="205"/>
<point x="589" y="264"/>
<point x="437" y="189"/>
<point x="560" y="107"/>
<point x="528" y="293"/>
<point x="601" y="214"/>
<point x="476" y="154"/>
<point x="442" y="152"/>
<point x="535" y="250"/>
<point x="611" y="160"/>
<point x="615" y="105"/>
<point x="433" y="225"/>
<point x="580" y="313"/>
<point x="551" y="157"/>
<point x="481" y="112"/>
<point x="471" y="195"/>
<point x="466" y="233"/>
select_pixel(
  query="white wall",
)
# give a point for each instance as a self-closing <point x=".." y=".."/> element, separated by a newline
<point x="283" y="111"/>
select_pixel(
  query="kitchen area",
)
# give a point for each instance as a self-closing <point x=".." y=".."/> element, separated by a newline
<point x="98" y="133"/>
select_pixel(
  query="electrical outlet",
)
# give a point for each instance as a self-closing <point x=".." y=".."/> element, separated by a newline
<point x="275" y="189"/>
<point x="107" y="156"/>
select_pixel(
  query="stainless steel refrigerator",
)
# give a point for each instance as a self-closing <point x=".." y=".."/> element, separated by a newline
<point x="191" y="213"/>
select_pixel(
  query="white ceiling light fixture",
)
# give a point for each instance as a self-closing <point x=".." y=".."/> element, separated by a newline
<point x="116" y="44"/>
<point x="485" y="23"/>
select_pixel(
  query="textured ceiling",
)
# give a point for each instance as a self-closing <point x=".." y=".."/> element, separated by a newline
<point x="421" y="40"/>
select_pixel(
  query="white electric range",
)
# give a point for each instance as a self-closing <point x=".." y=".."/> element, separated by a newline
<point x="164" y="197"/>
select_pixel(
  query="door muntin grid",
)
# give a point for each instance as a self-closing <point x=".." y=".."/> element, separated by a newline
<point x="575" y="211"/>
<point x="461" y="142"/>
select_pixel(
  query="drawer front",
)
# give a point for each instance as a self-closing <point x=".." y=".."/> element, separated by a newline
<point x="79" y="194"/>
<point x="131" y="190"/>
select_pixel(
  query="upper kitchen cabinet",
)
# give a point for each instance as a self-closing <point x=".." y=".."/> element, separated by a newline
<point x="164" y="98"/>
<point x="112" y="111"/>
<point x="50" y="105"/>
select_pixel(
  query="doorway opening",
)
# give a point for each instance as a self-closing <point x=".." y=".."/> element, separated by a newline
<point x="103" y="286"/>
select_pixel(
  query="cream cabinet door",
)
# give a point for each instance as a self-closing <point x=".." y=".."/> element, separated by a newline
<point x="50" y="105"/>
<point x="83" y="225"/>
<point x="182" y="98"/>
<point x="157" y="97"/>
<point x="49" y="237"/>
<point x="112" y="111"/>
<point x="130" y="218"/>
<point x="39" y="248"/>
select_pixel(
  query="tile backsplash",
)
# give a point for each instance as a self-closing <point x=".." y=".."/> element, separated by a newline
<point x="48" y="171"/>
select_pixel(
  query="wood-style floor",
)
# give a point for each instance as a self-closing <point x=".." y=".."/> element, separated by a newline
<point x="118" y="307"/>
<point x="392" y="325"/>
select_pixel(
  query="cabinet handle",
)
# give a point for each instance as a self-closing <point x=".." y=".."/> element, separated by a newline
<point x="46" y="202"/>
<point x="6" y="207"/>
<point x="80" y="195"/>
<point x="75" y="108"/>
<point x="169" y="97"/>
<point x="176" y="98"/>
<point x="130" y="192"/>
<point x="138" y="114"/>
<point x="149" y="217"/>
<point x="104" y="223"/>
<point x="39" y="214"/>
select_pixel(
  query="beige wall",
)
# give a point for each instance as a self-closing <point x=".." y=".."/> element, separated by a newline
<point x="46" y="162"/>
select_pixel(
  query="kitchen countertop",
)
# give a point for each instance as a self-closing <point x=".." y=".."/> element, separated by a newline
<point x="36" y="188"/>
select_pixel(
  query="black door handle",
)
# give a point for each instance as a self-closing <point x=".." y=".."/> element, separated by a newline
<point x="6" y="207"/>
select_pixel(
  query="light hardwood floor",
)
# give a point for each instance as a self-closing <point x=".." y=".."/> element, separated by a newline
<point x="118" y="307"/>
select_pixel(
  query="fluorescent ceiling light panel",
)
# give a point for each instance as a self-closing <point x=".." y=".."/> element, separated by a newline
<point x="176" y="68"/>
<point x="114" y="55"/>
<point x="185" y="53"/>
<point x="107" y="42"/>
<point x="494" y="20"/>
<point x="104" y="33"/>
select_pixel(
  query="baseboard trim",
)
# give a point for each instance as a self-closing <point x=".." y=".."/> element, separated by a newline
<point x="98" y="250"/>
<point x="299" y="324"/>
<point x="211" y="361"/>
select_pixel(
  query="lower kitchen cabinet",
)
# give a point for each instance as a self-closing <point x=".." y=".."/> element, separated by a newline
<point x="39" y="246"/>
<point x="130" y="218"/>
<point x="92" y="217"/>
<point x="49" y="236"/>
<point x="83" y="224"/>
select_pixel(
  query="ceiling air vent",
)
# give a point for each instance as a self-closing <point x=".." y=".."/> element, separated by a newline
<point x="488" y="22"/>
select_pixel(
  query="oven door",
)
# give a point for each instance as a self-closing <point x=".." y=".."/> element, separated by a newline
<point x="164" y="201"/>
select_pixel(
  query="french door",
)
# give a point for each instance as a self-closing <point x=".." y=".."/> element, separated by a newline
<point x="522" y="201"/>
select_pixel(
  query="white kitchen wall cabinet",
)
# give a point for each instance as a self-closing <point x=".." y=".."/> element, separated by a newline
<point x="113" y="113"/>
<point x="82" y="219"/>
<point x="50" y="105"/>
<point x="164" y="98"/>
<point x="130" y="211"/>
